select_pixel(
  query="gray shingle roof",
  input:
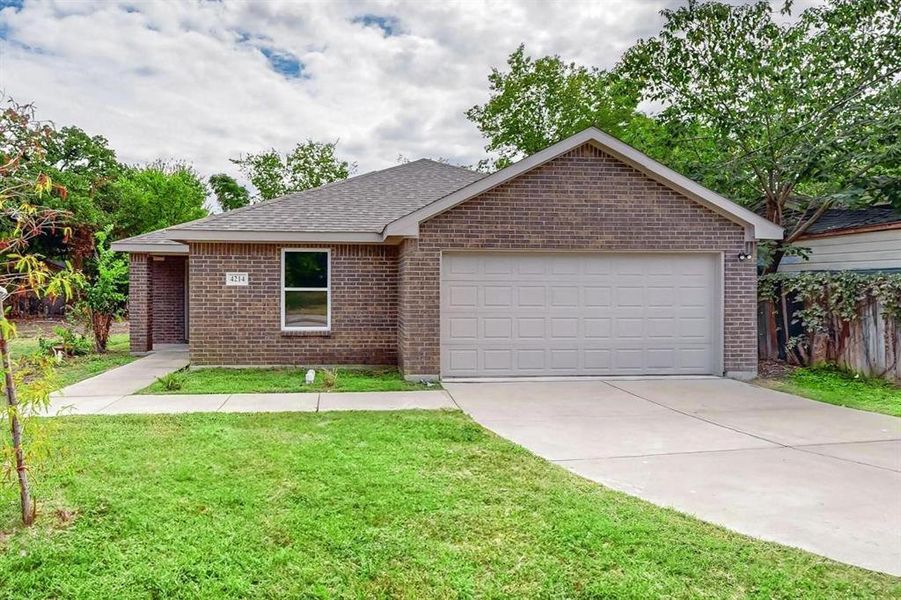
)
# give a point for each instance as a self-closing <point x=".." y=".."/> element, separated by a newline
<point x="160" y="237"/>
<point x="366" y="203"/>
<point x="836" y="219"/>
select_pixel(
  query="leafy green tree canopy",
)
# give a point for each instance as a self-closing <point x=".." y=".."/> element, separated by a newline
<point x="309" y="165"/>
<point x="804" y="112"/>
<point x="538" y="102"/>
<point x="158" y="195"/>
<point x="229" y="193"/>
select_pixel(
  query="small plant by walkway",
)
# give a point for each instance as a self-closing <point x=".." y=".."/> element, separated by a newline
<point x="835" y="386"/>
<point x="240" y="381"/>
<point x="365" y="505"/>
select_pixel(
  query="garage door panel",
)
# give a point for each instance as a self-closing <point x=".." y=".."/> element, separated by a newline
<point x="531" y="296"/>
<point x="497" y="296"/>
<point x="497" y="328"/>
<point x="507" y="314"/>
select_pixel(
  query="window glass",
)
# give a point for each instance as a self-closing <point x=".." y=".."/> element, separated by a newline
<point x="306" y="309"/>
<point x="306" y="296"/>
<point x="306" y="269"/>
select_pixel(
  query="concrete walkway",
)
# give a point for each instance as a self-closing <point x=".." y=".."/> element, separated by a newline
<point x="129" y="378"/>
<point x="767" y="464"/>
<point x="113" y="393"/>
<point x="249" y="403"/>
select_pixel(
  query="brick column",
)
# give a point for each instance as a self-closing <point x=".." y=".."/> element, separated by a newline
<point x="140" y="307"/>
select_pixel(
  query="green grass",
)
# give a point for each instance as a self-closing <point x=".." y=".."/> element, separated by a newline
<point x="364" y="505"/>
<point x="77" y="368"/>
<point x="237" y="381"/>
<point x="835" y="386"/>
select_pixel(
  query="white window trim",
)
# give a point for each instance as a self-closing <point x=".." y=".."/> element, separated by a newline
<point x="328" y="289"/>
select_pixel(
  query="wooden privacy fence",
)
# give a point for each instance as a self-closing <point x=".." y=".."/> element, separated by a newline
<point x="846" y="318"/>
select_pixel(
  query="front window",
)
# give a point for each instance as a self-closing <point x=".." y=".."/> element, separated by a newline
<point x="306" y="291"/>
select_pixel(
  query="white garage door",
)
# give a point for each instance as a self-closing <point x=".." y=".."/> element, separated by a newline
<point x="532" y="314"/>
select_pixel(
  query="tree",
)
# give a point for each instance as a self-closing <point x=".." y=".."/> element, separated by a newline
<point x="156" y="196"/>
<point x="538" y="102"/>
<point x="22" y="220"/>
<point x="804" y="113"/>
<point x="103" y="293"/>
<point x="229" y="193"/>
<point x="311" y="164"/>
<point x="86" y="167"/>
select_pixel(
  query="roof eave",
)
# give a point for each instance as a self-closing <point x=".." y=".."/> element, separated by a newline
<point x="756" y="227"/>
<point x="139" y="248"/>
<point x="212" y="235"/>
<point x="850" y="231"/>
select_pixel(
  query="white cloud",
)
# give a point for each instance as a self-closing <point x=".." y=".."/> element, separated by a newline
<point x="191" y="81"/>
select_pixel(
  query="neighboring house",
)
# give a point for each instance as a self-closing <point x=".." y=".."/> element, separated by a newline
<point x="867" y="239"/>
<point x="587" y="258"/>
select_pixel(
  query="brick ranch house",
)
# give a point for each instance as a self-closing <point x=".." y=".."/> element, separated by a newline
<point x="587" y="258"/>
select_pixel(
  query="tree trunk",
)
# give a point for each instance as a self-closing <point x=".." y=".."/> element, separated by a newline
<point x="100" y="324"/>
<point x="776" y="260"/>
<point x="16" y="427"/>
<point x="770" y="347"/>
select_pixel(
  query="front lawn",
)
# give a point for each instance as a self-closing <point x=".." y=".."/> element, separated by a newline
<point x="364" y="505"/>
<point x="834" y="386"/>
<point x="76" y="368"/>
<point x="238" y="381"/>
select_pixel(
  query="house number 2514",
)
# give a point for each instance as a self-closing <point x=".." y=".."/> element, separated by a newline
<point x="236" y="279"/>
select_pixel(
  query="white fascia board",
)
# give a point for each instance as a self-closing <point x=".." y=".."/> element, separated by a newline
<point x="756" y="226"/>
<point x="210" y="235"/>
<point x="138" y="248"/>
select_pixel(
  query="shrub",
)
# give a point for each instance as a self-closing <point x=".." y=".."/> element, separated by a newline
<point x="172" y="382"/>
<point x="102" y="294"/>
<point x="66" y="341"/>
<point x="329" y="378"/>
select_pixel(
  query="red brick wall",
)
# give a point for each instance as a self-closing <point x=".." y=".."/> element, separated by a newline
<point x="242" y="325"/>
<point x="168" y="299"/>
<point x="583" y="200"/>
<point x="139" y="293"/>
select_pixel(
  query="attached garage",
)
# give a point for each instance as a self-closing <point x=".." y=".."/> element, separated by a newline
<point x="585" y="259"/>
<point x="508" y="314"/>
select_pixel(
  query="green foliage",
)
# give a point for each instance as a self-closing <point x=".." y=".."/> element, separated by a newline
<point x="311" y="164"/>
<point x="66" y="341"/>
<point x="171" y="382"/>
<point x="158" y="196"/>
<point x="229" y="193"/>
<point x="329" y="379"/>
<point x="538" y="102"/>
<point x="803" y="112"/>
<point x="104" y="290"/>
<point x="829" y="301"/>
<point x="87" y="167"/>
<point x="836" y="386"/>
<point x="24" y="219"/>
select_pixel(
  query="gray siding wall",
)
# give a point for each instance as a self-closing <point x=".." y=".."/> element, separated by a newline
<point x="850" y="252"/>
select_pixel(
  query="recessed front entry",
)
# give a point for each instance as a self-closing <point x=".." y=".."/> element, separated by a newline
<point x="565" y="313"/>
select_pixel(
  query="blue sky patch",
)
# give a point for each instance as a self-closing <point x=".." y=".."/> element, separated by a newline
<point x="284" y="63"/>
<point x="17" y="4"/>
<point x="389" y="25"/>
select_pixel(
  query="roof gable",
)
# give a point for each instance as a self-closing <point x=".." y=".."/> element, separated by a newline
<point x="756" y="227"/>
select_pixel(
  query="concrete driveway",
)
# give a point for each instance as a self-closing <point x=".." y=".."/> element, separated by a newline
<point x="767" y="464"/>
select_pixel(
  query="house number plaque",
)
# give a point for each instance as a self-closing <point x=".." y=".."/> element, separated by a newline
<point x="236" y="279"/>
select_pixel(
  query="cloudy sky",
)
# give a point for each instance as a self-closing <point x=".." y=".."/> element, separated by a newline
<point x="207" y="81"/>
